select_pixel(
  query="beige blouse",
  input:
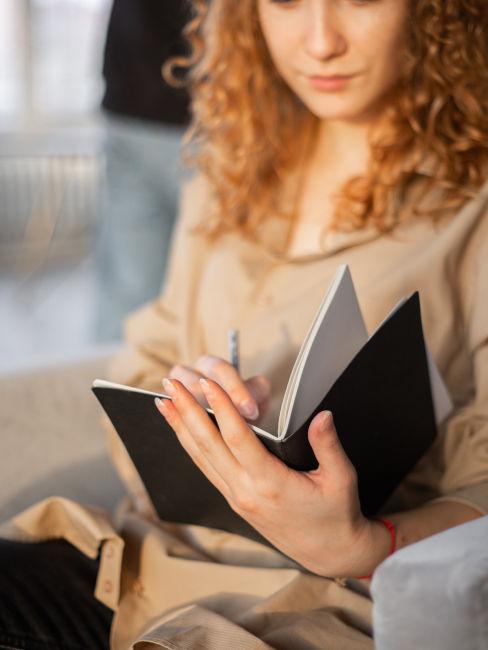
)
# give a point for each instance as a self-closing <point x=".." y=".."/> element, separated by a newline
<point x="179" y="586"/>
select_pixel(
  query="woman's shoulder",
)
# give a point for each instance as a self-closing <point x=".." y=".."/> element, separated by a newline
<point x="189" y="246"/>
<point x="474" y="216"/>
<point x="480" y="198"/>
<point x="465" y="222"/>
<point x="195" y="198"/>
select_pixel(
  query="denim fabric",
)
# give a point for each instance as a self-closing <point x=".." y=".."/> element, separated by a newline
<point x="46" y="598"/>
<point x="138" y="208"/>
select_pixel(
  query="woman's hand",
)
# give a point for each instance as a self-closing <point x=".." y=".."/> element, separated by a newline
<point x="251" y="397"/>
<point x="313" y="517"/>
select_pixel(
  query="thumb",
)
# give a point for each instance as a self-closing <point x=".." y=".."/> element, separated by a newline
<point x="327" y="447"/>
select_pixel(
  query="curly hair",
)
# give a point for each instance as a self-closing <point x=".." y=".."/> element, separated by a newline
<point x="249" y="129"/>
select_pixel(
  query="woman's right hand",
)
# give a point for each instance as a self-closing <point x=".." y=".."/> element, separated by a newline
<point x="250" y="396"/>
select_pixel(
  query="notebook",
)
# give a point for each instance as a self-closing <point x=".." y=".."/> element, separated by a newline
<point x="384" y="391"/>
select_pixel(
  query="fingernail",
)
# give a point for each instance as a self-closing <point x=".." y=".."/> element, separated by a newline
<point x="162" y="406"/>
<point x="159" y="403"/>
<point x="326" y="421"/>
<point x="169" y="387"/>
<point x="204" y="384"/>
<point x="249" y="409"/>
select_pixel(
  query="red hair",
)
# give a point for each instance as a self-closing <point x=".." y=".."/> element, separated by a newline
<point x="248" y="126"/>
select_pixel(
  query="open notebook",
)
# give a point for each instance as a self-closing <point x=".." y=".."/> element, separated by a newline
<point x="385" y="393"/>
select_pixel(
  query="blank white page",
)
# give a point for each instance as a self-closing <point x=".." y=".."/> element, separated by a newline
<point x="337" y="334"/>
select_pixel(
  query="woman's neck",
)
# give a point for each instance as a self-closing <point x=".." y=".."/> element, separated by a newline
<point x="341" y="149"/>
<point x="339" y="152"/>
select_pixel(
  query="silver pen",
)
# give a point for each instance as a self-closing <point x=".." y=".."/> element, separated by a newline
<point x="233" y="342"/>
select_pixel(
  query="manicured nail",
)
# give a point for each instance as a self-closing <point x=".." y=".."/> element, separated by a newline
<point x="205" y="385"/>
<point x="249" y="409"/>
<point x="326" y="421"/>
<point x="169" y="387"/>
<point x="162" y="406"/>
<point x="159" y="403"/>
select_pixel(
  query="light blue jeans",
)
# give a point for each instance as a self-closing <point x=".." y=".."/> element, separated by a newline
<point x="138" y="208"/>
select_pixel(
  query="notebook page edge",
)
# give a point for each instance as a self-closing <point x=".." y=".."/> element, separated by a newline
<point x="341" y="278"/>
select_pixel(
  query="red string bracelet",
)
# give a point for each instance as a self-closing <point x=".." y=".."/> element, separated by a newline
<point x="390" y="526"/>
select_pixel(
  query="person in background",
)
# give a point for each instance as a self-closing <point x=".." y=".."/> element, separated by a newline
<point x="145" y="118"/>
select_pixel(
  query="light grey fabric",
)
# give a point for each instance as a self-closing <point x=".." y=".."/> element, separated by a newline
<point x="433" y="595"/>
<point x="51" y="439"/>
<point x="138" y="208"/>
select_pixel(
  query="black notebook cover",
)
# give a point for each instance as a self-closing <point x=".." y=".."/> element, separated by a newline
<point x="382" y="408"/>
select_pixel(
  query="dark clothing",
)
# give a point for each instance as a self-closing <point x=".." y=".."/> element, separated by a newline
<point x="46" y="598"/>
<point x="142" y="35"/>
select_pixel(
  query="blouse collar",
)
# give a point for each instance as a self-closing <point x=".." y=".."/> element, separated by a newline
<point x="273" y="234"/>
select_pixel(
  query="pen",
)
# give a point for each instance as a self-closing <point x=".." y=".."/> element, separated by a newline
<point x="233" y="341"/>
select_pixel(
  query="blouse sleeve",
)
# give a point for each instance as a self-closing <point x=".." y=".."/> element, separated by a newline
<point x="160" y="334"/>
<point x="465" y="442"/>
<point x="157" y="335"/>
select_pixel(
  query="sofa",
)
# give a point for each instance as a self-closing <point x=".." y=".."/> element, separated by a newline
<point x="52" y="441"/>
<point x="432" y="595"/>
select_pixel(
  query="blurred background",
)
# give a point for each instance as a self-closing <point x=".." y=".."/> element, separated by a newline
<point x="50" y="172"/>
<point x="87" y="196"/>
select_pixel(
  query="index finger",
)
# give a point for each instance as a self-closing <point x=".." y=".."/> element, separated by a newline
<point x="250" y="453"/>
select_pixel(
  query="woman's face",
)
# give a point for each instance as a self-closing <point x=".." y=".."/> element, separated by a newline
<point x="313" y="42"/>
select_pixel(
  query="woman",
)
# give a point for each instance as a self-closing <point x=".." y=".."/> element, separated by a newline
<point x="326" y="131"/>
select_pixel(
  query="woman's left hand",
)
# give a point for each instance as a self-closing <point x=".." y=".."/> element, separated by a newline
<point x="313" y="517"/>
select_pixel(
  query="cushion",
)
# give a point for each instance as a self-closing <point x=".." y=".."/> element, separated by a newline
<point x="434" y="594"/>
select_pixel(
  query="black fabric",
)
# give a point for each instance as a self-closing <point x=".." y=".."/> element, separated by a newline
<point x="142" y="35"/>
<point x="46" y="598"/>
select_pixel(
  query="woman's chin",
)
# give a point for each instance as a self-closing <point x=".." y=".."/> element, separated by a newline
<point x="330" y="108"/>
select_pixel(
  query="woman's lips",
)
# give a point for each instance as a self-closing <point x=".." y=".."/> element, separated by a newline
<point x="329" y="83"/>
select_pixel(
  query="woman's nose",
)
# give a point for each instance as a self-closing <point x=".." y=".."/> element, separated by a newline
<point x="324" y="38"/>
